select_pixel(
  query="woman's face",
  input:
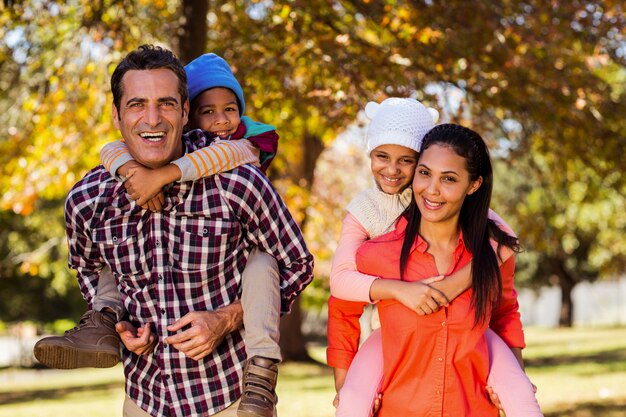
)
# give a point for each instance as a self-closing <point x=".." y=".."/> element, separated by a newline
<point x="441" y="184"/>
<point x="393" y="167"/>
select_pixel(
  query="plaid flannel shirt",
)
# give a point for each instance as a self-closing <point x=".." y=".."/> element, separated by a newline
<point x="187" y="258"/>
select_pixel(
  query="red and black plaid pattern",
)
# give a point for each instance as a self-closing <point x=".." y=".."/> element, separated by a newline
<point x="187" y="258"/>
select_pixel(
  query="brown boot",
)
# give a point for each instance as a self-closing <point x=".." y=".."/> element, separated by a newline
<point x="92" y="343"/>
<point x="259" y="388"/>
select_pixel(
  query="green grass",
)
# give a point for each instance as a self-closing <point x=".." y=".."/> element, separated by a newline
<point x="51" y="393"/>
<point x="579" y="373"/>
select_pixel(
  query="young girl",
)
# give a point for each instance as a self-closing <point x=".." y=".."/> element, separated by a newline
<point x="394" y="138"/>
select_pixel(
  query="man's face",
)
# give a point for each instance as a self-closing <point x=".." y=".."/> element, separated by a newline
<point x="151" y="116"/>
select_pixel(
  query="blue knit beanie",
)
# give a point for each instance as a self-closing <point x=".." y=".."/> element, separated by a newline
<point x="210" y="71"/>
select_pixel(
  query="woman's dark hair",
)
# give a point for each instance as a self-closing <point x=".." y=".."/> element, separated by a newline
<point x="477" y="228"/>
<point x="148" y="57"/>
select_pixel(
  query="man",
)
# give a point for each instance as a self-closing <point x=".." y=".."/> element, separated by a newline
<point x="178" y="270"/>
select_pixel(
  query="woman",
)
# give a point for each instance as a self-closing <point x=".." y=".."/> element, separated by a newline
<point x="437" y="364"/>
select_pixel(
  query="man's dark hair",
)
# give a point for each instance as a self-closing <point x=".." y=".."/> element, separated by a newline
<point x="148" y="57"/>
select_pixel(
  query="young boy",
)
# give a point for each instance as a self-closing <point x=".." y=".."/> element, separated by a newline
<point x="216" y="112"/>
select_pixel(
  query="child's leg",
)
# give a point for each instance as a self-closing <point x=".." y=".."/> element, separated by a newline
<point x="260" y="300"/>
<point x="108" y="295"/>
<point x="363" y="381"/>
<point x="509" y="381"/>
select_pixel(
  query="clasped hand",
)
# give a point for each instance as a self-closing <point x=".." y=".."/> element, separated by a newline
<point x="422" y="298"/>
<point x="204" y="331"/>
<point x="142" y="186"/>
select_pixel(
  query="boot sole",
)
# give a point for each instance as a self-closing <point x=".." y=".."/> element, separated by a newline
<point x="245" y="413"/>
<point x="245" y="410"/>
<point x="65" y="357"/>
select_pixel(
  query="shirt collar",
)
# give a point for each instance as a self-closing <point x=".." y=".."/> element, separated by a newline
<point x="420" y="244"/>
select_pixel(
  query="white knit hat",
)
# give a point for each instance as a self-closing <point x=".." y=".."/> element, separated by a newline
<point x="398" y="121"/>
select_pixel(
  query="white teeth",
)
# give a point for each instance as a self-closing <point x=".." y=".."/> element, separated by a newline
<point x="391" y="179"/>
<point x="432" y="203"/>
<point x="152" y="136"/>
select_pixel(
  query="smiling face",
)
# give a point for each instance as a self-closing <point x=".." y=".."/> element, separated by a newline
<point x="393" y="167"/>
<point x="216" y="111"/>
<point x="151" y="116"/>
<point x="441" y="184"/>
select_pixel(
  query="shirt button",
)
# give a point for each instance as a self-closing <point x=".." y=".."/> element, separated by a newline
<point x="162" y="311"/>
<point x="205" y="231"/>
<point x="114" y="238"/>
<point x="440" y="359"/>
<point x="158" y="243"/>
<point x="443" y="324"/>
<point x="160" y="277"/>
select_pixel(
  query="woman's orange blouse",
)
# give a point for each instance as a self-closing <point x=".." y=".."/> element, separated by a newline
<point x="436" y="365"/>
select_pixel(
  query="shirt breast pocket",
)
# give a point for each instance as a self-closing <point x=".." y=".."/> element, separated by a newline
<point x="119" y="245"/>
<point x="205" y="243"/>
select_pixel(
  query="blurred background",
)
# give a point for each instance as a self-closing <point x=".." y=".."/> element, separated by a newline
<point x="543" y="81"/>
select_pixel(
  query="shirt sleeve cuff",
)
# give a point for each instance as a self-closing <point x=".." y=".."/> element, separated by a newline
<point x="339" y="358"/>
<point x="117" y="163"/>
<point x="187" y="170"/>
<point x="513" y="338"/>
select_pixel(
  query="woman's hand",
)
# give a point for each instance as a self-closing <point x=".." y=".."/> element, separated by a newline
<point x="377" y="402"/>
<point x="340" y="378"/>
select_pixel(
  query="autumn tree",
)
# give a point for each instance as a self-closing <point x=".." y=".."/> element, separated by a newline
<point x="542" y="81"/>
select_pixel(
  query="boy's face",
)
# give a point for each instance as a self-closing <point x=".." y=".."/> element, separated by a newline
<point x="216" y="111"/>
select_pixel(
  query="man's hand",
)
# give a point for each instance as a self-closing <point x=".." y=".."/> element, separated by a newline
<point x="206" y="330"/>
<point x="140" y="341"/>
<point x="421" y="298"/>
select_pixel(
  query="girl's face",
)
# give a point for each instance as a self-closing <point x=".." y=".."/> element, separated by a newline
<point x="216" y="111"/>
<point x="441" y="184"/>
<point x="393" y="167"/>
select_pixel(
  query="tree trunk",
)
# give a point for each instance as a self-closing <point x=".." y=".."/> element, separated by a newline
<point x="567" y="283"/>
<point x="192" y="38"/>
<point x="292" y="345"/>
